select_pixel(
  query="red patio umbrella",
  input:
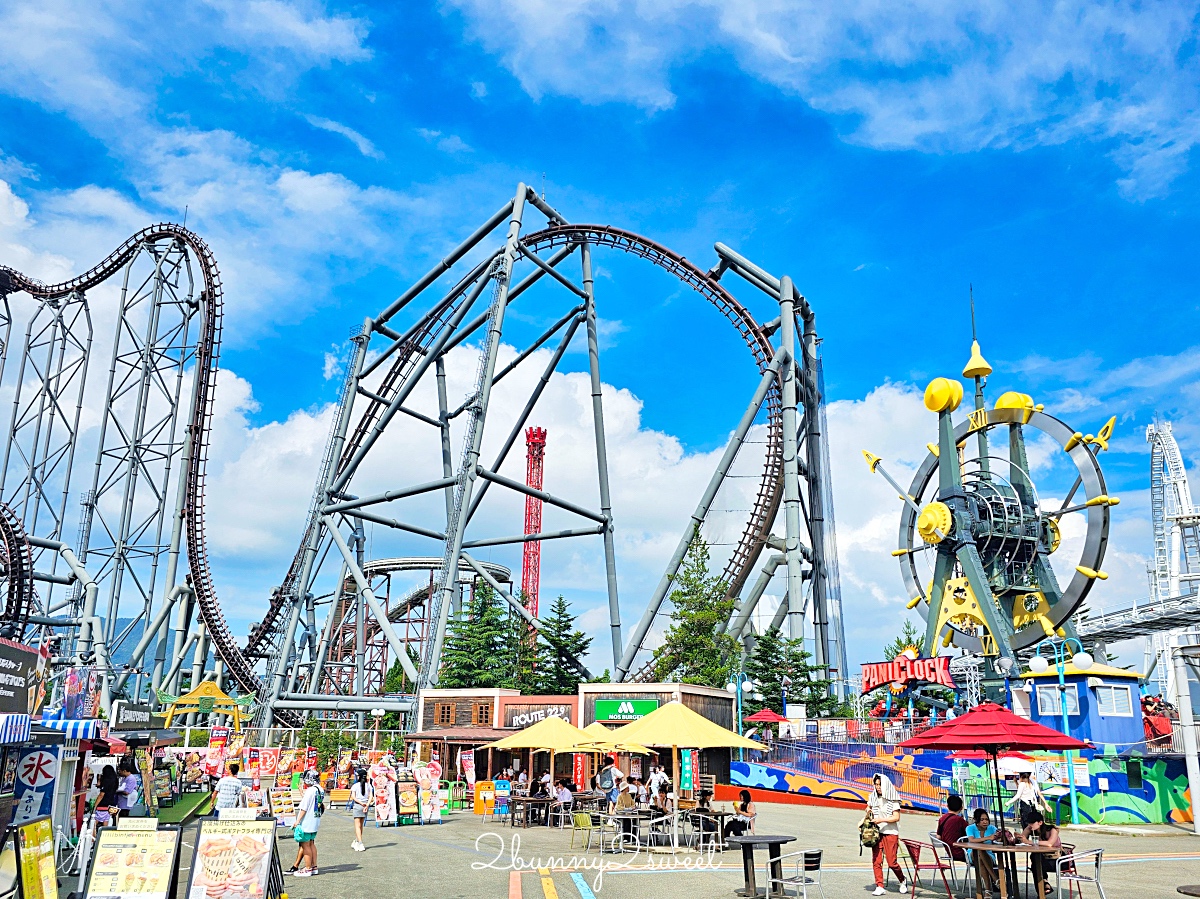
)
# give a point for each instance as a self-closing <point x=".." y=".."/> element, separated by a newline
<point x="766" y="716"/>
<point x="992" y="729"/>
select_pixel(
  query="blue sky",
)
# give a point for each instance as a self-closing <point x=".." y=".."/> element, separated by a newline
<point x="885" y="158"/>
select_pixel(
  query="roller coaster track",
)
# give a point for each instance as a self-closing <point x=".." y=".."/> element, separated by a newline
<point x="199" y="426"/>
<point x="766" y="503"/>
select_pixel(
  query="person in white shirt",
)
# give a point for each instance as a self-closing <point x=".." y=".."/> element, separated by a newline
<point x="308" y="820"/>
<point x="522" y="778"/>
<point x="884" y="808"/>
<point x="229" y="791"/>
<point x="1028" y="799"/>
<point x="658" y="777"/>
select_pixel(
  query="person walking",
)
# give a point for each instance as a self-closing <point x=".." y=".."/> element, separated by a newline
<point x="229" y="791"/>
<point x="308" y="821"/>
<point x="106" y="799"/>
<point x="884" y="808"/>
<point x="127" y="792"/>
<point x="1028" y="799"/>
<point x="362" y="796"/>
<point x="609" y="780"/>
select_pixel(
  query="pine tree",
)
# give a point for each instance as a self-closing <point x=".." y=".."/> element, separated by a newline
<point x="478" y="650"/>
<point x="909" y="636"/>
<point x="775" y="657"/>
<point x="560" y="645"/>
<point x="693" y="652"/>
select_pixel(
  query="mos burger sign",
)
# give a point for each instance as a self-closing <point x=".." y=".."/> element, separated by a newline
<point x="904" y="670"/>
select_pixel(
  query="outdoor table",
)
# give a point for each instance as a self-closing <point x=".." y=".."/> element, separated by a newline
<point x="585" y="800"/>
<point x="1189" y="890"/>
<point x="718" y="818"/>
<point x="749" y="842"/>
<point x="1009" y="855"/>
<point x="527" y="804"/>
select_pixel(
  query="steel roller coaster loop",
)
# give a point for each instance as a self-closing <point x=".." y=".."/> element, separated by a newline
<point x="200" y="423"/>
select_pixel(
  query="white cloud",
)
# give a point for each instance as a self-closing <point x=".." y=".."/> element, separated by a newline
<point x="365" y="147"/>
<point x="448" y="143"/>
<point x="928" y="76"/>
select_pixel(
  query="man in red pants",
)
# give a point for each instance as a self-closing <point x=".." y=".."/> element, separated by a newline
<point x="884" y="807"/>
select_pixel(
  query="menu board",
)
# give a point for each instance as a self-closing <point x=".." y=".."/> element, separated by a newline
<point x="135" y="863"/>
<point x="283" y="806"/>
<point x="233" y="859"/>
<point x="35" y="859"/>
<point x="162" y="784"/>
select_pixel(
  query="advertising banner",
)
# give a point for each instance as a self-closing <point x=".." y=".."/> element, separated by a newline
<point x="134" y="716"/>
<point x="624" y="709"/>
<point x="133" y="863"/>
<point x="21" y="671"/>
<point x="525" y="714"/>
<point x="466" y="765"/>
<point x="311" y="758"/>
<point x="579" y="769"/>
<point x="687" y="769"/>
<point x="268" y="762"/>
<point x="214" y="762"/>
<point x="232" y="859"/>
<point x="253" y="762"/>
<point x="37" y="772"/>
<point x="35" y="860"/>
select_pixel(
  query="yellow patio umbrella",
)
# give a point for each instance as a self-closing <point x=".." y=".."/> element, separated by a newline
<point x="675" y="725"/>
<point x="606" y="740"/>
<point x="552" y="734"/>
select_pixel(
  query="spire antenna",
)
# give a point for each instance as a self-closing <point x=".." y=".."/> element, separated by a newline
<point x="971" y="288"/>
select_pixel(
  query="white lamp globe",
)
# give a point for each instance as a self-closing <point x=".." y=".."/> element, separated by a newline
<point x="731" y="687"/>
<point x="1039" y="665"/>
<point x="747" y="685"/>
<point x="1083" y="660"/>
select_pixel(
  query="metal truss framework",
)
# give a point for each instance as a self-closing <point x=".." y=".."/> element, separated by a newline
<point x="168" y="331"/>
<point x="1174" y="575"/>
<point x="385" y="369"/>
<point x="169" y="283"/>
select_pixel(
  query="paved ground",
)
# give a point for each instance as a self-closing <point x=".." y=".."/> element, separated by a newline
<point x="467" y="858"/>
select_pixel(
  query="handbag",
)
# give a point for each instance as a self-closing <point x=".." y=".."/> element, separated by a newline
<point x="869" y="833"/>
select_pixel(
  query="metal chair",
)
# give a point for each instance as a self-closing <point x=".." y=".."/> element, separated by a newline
<point x="915" y="849"/>
<point x="1067" y="867"/>
<point x="808" y="871"/>
<point x="948" y="851"/>
<point x="581" y="822"/>
<point x="559" y="812"/>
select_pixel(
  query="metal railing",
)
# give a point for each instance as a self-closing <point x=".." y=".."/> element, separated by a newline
<point x="855" y="730"/>
<point x="916" y="787"/>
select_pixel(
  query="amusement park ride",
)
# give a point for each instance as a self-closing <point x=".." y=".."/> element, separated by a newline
<point x="993" y="591"/>
<point x="339" y="620"/>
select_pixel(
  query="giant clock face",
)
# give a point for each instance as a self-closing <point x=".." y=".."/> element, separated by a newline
<point x="998" y="509"/>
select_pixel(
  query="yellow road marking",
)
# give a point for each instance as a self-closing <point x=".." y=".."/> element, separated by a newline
<point x="548" y="884"/>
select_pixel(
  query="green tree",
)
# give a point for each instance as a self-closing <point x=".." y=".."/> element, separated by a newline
<point x="477" y="650"/>
<point x="909" y="636"/>
<point x="562" y="645"/>
<point x="693" y="652"/>
<point x="775" y="657"/>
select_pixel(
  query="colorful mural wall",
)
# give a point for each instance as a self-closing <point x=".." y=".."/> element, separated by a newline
<point x="1110" y="789"/>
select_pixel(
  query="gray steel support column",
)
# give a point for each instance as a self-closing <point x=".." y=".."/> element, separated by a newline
<point x="816" y="500"/>
<point x="610" y="549"/>
<point x="462" y="500"/>
<point x="742" y="618"/>
<point x="177" y="666"/>
<point x="275" y="687"/>
<point x="780" y="613"/>
<point x="148" y="636"/>
<point x="1183" y="702"/>
<point x="447" y="456"/>
<point x="714" y="484"/>
<point x="182" y="629"/>
<point x="791" y="469"/>
<point x="360" y="626"/>
<point x="377" y="609"/>
<point x="315" y="679"/>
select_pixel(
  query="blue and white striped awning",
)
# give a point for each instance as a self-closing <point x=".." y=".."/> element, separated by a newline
<point x="15" y="728"/>
<point x="77" y="728"/>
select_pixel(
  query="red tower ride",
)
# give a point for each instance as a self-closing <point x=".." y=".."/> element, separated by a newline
<point x="531" y="563"/>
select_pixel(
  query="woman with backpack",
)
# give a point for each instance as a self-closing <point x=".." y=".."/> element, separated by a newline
<point x="880" y="829"/>
<point x="1028" y="799"/>
<point x="308" y="821"/>
<point x="609" y="781"/>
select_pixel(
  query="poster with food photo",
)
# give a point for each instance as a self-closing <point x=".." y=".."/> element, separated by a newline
<point x="139" y="863"/>
<point x="232" y="860"/>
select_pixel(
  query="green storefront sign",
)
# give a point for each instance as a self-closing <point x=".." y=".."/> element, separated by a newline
<point x="624" y="709"/>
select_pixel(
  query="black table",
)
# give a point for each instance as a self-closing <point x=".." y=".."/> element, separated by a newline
<point x="529" y="806"/>
<point x="749" y="842"/>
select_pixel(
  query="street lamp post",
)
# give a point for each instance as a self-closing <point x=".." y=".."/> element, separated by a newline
<point x="740" y="686"/>
<point x="1039" y="664"/>
<point x="377" y="714"/>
